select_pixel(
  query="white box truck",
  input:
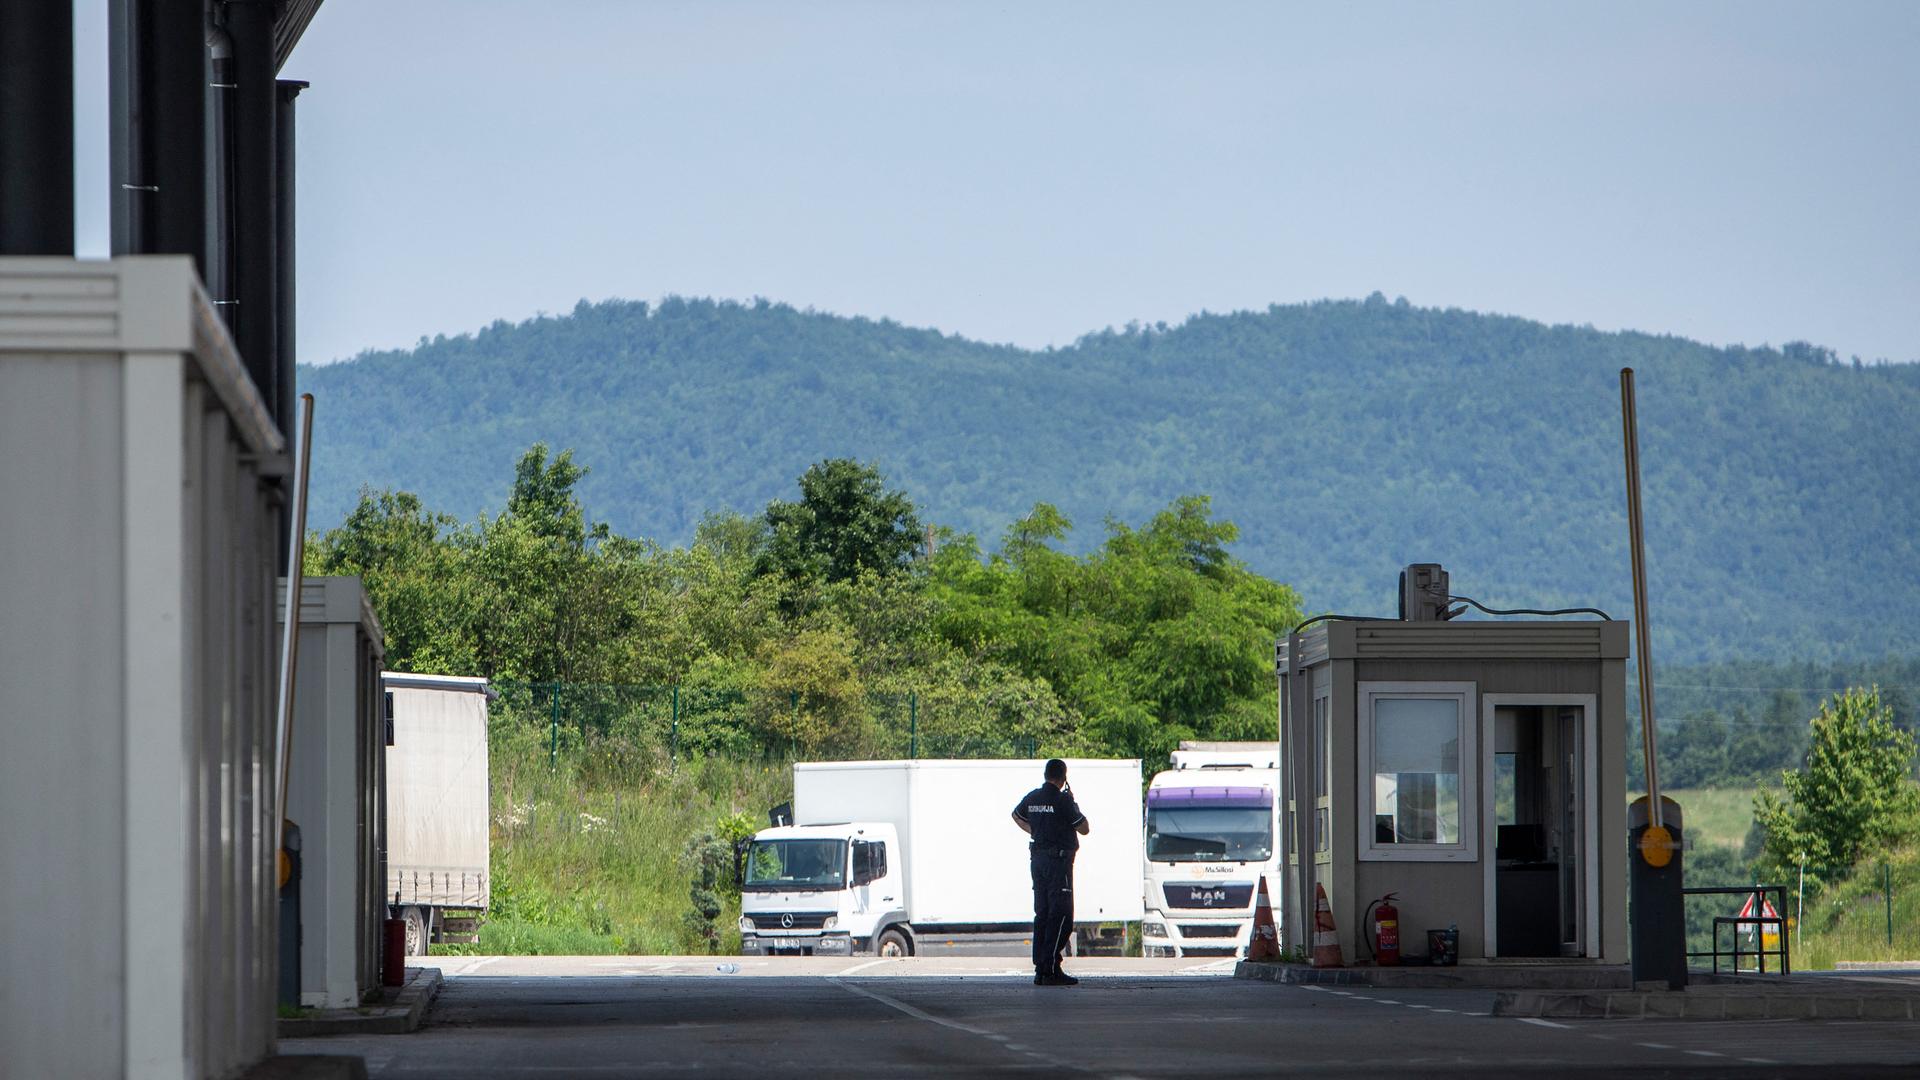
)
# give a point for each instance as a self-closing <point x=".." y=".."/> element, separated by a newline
<point x="1213" y="828"/>
<point x="883" y="853"/>
<point x="437" y="810"/>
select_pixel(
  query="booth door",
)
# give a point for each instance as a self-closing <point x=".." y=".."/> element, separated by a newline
<point x="1540" y="824"/>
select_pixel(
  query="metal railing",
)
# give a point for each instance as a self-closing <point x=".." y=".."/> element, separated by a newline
<point x="1756" y="924"/>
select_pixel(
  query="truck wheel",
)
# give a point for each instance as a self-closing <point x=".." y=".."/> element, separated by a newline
<point x="893" y="943"/>
<point x="416" y="919"/>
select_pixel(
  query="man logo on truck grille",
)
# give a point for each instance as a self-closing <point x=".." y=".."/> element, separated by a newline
<point x="786" y="920"/>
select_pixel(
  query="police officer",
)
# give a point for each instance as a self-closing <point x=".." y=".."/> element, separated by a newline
<point x="1049" y="815"/>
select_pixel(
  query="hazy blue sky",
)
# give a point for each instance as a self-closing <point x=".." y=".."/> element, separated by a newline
<point x="1028" y="172"/>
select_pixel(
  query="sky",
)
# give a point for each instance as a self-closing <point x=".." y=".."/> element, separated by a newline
<point x="1026" y="173"/>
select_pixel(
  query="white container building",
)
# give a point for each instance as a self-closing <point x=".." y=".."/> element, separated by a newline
<point x="138" y="551"/>
<point x="336" y="791"/>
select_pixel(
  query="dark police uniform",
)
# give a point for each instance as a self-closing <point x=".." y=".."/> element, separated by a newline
<point x="1052" y="815"/>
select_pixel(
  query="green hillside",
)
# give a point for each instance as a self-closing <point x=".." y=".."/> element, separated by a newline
<point x="1345" y="438"/>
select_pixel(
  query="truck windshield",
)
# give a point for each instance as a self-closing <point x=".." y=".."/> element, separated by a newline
<point x="796" y="864"/>
<point x="1200" y="833"/>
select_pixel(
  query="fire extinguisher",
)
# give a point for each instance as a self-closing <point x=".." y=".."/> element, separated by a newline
<point x="1386" y="930"/>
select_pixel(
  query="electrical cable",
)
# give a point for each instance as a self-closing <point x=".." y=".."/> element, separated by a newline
<point x="1632" y="678"/>
<point x="1529" y="611"/>
<point x="1350" y="618"/>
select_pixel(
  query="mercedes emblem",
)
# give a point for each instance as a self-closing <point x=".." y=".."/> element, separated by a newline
<point x="786" y="920"/>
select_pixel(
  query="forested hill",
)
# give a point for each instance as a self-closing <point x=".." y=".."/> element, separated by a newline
<point x="1345" y="438"/>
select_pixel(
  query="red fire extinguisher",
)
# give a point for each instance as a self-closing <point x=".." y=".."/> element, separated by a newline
<point x="1386" y="931"/>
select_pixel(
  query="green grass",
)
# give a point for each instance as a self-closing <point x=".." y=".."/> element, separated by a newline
<point x="586" y="855"/>
<point x="1713" y="816"/>
<point x="510" y="937"/>
<point x="1848" y="920"/>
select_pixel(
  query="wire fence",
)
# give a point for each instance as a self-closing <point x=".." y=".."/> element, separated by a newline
<point x="1806" y="897"/>
<point x="1863" y="881"/>
<point x="678" y="722"/>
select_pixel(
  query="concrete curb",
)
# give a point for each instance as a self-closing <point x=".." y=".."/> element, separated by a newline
<point x="1707" y="1003"/>
<point x="1595" y="977"/>
<point x="1877" y="965"/>
<point x="403" y="1012"/>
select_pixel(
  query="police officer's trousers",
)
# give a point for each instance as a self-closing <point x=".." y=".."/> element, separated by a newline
<point x="1052" y="906"/>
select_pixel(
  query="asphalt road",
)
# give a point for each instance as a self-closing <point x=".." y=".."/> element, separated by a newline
<point x="521" y="1017"/>
<point x="915" y="967"/>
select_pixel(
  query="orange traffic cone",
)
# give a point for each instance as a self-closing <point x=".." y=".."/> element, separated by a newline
<point x="1264" y="943"/>
<point x="1326" y="942"/>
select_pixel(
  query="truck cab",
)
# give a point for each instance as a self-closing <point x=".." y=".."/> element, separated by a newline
<point x="1212" y="834"/>
<point x="826" y="890"/>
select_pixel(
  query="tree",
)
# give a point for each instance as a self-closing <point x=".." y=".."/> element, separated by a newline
<point x="845" y="523"/>
<point x="1854" y="793"/>
<point x="411" y="562"/>
<point x="810" y="694"/>
<point x="551" y="587"/>
<point x="707" y="860"/>
<point x="1159" y="635"/>
<point x="543" y="498"/>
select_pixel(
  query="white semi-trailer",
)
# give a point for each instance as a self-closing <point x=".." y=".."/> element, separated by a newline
<point x="882" y="854"/>
<point x="437" y="814"/>
<point x="1212" y="833"/>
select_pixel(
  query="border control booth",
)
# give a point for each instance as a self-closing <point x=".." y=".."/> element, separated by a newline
<point x="1475" y="770"/>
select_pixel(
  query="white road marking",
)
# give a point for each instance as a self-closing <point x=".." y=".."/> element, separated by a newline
<point x="1538" y="1022"/>
<point x="1754" y="1061"/>
<point x="1655" y="1046"/>
<point x="917" y="1014"/>
<point x="576" y="1069"/>
<point x="955" y="1025"/>
<point x="1390" y="1001"/>
<point x="1214" y="965"/>
<point x="882" y="960"/>
<point x="1703" y="1053"/>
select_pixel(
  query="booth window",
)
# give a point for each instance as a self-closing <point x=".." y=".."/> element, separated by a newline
<point x="1417" y="791"/>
